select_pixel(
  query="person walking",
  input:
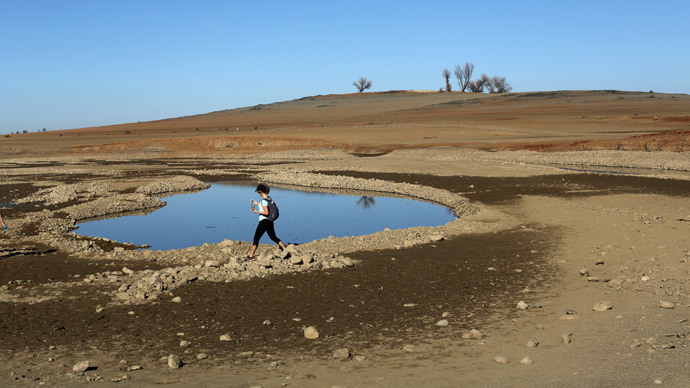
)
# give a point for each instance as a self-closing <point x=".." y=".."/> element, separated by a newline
<point x="265" y="224"/>
<point x="4" y="227"/>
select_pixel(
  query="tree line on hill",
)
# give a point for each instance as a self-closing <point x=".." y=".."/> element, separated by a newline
<point x="463" y="74"/>
<point x="495" y="84"/>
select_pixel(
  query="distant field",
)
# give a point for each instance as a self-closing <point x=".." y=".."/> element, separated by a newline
<point x="379" y="122"/>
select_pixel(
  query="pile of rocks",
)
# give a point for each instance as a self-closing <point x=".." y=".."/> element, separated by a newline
<point x="148" y="285"/>
<point x="65" y="193"/>
<point x="173" y="185"/>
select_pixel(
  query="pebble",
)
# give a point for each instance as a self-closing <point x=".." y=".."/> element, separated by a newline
<point x="584" y="271"/>
<point x="310" y="332"/>
<point x="666" y="305"/>
<point x="225" y="337"/>
<point x="600" y="261"/>
<point x="501" y="360"/>
<point x="176" y="299"/>
<point x="341" y="354"/>
<point x="409" y="348"/>
<point x="475" y="334"/>
<point x="201" y="356"/>
<point x="532" y="343"/>
<point x="527" y="361"/>
<point x="566" y="338"/>
<point x="409" y="304"/>
<point x="442" y="323"/>
<point x="81" y="366"/>
<point x="602" y="306"/>
<point x="360" y="358"/>
<point x="522" y="305"/>
<point x="174" y="362"/>
<point x="185" y="344"/>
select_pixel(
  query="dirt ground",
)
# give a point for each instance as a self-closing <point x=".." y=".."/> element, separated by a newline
<point x="558" y="239"/>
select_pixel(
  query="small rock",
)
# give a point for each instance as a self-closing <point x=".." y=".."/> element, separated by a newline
<point x="475" y="334"/>
<point x="360" y="358"/>
<point x="566" y="338"/>
<point x="409" y="348"/>
<point x="225" y="337"/>
<point x="267" y="322"/>
<point x="522" y="305"/>
<point x="501" y="360"/>
<point x="527" y="361"/>
<point x="409" y="304"/>
<point x="347" y="262"/>
<point x="127" y="271"/>
<point x="185" y="344"/>
<point x="570" y="312"/>
<point x="600" y="261"/>
<point x="136" y="367"/>
<point x="174" y="362"/>
<point x="296" y="260"/>
<point x="602" y="306"/>
<point x="212" y="263"/>
<point x="341" y="354"/>
<point x="666" y="305"/>
<point x="584" y="271"/>
<point x="311" y="333"/>
<point x="201" y="356"/>
<point x="436" y="237"/>
<point x="532" y="343"/>
<point x="442" y="323"/>
<point x="81" y="366"/>
<point x="176" y="299"/>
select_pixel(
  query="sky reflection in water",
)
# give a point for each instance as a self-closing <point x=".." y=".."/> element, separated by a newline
<point x="222" y="212"/>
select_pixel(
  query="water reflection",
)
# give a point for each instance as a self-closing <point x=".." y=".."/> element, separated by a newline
<point x="222" y="212"/>
<point x="366" y="202"/>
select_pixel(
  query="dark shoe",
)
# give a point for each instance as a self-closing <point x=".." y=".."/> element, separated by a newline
<point x="250" y="258"/>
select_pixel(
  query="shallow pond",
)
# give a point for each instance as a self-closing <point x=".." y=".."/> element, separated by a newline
<point x="223" y="211"/>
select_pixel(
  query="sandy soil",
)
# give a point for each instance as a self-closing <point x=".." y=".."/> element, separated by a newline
<point x="603" y="217"/>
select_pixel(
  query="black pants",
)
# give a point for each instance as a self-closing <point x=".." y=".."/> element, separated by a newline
<point x="265" y="226"/>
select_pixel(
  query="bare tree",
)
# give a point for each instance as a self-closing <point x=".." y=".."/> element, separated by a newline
<point x="463" y="74"/>
<point x="500" y="85"/>
<point x="488" y="83"/>
<point x="476" y="86"/>
<point x="446" y="75"/>
<point x="362" y="84"/>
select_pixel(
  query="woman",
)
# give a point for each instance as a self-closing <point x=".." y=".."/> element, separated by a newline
<point x="265" y="225"/>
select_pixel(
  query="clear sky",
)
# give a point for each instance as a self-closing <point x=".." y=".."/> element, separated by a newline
<point x="69" y="64"/>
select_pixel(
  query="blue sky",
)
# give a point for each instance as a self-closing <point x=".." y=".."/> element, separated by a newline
<point x="69" y="64"/>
